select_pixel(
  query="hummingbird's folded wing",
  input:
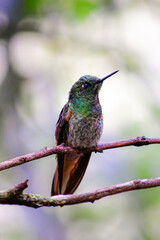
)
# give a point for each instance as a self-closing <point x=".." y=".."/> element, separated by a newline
<point x="70" y="167"/>
<point x="62" y="125"/>
<point x="61" y="134"/>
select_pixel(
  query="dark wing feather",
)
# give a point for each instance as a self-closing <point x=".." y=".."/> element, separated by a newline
<point x="61" y="137"/>
<point x="62" y="126"/>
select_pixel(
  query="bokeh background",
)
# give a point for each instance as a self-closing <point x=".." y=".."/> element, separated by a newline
<point x="45" y="46"/>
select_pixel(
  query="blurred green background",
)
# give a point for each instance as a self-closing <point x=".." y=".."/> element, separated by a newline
<point x="45" y="46"/>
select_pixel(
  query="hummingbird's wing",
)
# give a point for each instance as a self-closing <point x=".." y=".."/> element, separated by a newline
<point x="70" y="167"/>
<point x="61" y="134"/>
<point x="62" y="125"/>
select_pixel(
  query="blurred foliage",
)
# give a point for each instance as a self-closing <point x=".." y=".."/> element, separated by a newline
<point x="45" y="46"/>
<point x="77" y="9"/>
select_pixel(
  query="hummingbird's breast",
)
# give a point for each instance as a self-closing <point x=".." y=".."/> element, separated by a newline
<point x="85" y="131"/>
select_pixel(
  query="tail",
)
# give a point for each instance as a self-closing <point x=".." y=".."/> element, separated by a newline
<point x="69" y="172"/>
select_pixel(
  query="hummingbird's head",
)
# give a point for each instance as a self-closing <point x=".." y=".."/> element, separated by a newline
<point x="87" y="87"/>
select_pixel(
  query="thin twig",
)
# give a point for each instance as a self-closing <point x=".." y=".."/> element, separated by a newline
<point x="138" y="141"/>
<point x="17" y="197"/>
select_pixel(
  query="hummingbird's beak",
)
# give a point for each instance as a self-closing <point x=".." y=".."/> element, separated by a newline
<point x="101" y="80"/>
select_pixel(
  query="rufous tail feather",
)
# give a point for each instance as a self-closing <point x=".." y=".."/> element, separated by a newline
<point x="69" y="172"/>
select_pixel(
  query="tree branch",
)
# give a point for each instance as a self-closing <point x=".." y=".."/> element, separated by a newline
<point x="17" y="197"/>
<point x="138" y="141"/>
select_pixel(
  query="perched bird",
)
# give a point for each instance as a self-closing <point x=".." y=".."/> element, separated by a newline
<point x="80" y="126"/>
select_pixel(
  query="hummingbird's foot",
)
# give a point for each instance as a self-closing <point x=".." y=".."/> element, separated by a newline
<point x="61" y="145"/>
<point x="99" y="151"/>
<point x="79" y="148"/>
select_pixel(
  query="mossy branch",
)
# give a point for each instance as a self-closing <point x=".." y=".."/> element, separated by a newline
<point x="17" y="197"/>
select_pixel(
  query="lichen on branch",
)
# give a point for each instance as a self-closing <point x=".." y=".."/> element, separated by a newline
<point x="16" y="196"/>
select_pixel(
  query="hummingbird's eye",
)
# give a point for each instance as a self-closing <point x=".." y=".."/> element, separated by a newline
<point x="86" y="85"/>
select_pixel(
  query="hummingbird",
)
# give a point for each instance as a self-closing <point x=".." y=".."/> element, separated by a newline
<point x="80" y="126"/>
